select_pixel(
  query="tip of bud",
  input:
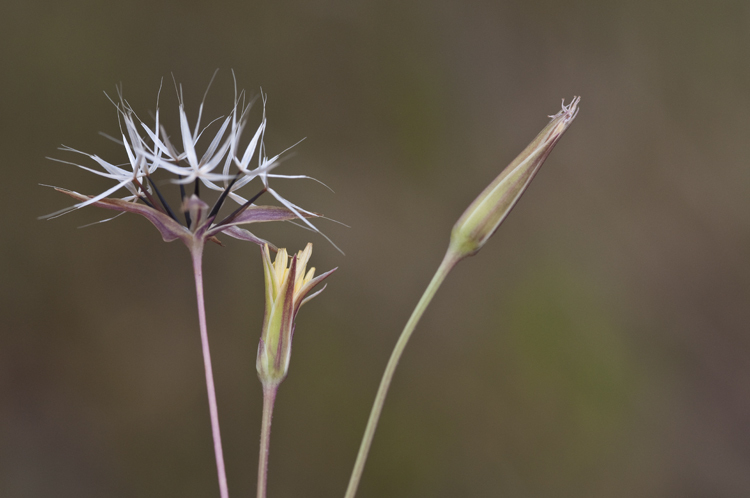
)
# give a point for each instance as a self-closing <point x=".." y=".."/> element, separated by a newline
<point x="569" y="111"/>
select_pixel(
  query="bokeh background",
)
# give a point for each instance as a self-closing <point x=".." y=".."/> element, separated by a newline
<point x="597" y="346"/>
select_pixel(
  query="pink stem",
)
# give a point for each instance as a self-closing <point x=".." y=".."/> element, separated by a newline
<point x="269" y="396"/>
<point x="197" y="254"/>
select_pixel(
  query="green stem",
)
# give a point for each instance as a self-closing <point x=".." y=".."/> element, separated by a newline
<point x="449" y="261"/>
<point x="269" y="396"/>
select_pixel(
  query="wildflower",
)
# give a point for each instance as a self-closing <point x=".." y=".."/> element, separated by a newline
<point x="287" y="289"/>
<point x="472" y="230"/>
<point x="224" y="167"/>
<point x="483" y="217"/>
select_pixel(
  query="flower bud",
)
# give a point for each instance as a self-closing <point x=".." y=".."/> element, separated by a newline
<point x="482" y="218"/>
<point x="286" y="292"/>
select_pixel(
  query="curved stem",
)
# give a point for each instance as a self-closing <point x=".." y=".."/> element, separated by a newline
<point x="196" y="251"/>
<point x="269" y="396"/>
<point x="449" y="261"/>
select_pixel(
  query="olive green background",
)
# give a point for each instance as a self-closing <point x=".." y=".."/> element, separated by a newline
<point x="597" y="346"/>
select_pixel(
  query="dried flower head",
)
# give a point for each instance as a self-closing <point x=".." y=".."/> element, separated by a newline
<point x="225" y="166"/>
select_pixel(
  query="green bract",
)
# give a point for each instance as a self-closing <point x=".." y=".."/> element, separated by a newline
<point x="482" y="218"/>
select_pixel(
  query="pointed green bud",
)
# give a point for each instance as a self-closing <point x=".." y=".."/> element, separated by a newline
<point x="482" y="218"/>
<point x="287" y="289"/>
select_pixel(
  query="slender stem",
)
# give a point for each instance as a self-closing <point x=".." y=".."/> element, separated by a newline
<point x="197" y="253"/>
<point x="269" y="396"/>
<point x="449" y="261"/>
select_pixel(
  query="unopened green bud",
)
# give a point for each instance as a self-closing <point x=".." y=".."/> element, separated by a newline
<point x="482" y="218"/>
<point x="287" y="289"/>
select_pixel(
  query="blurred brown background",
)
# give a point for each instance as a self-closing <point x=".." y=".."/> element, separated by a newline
<point x="598" y="346"/>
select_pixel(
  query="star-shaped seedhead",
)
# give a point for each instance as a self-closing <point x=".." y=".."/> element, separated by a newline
<point x="225" y="166"/>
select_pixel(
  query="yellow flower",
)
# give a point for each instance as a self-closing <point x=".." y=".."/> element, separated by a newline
<point x="287" y="289"/>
